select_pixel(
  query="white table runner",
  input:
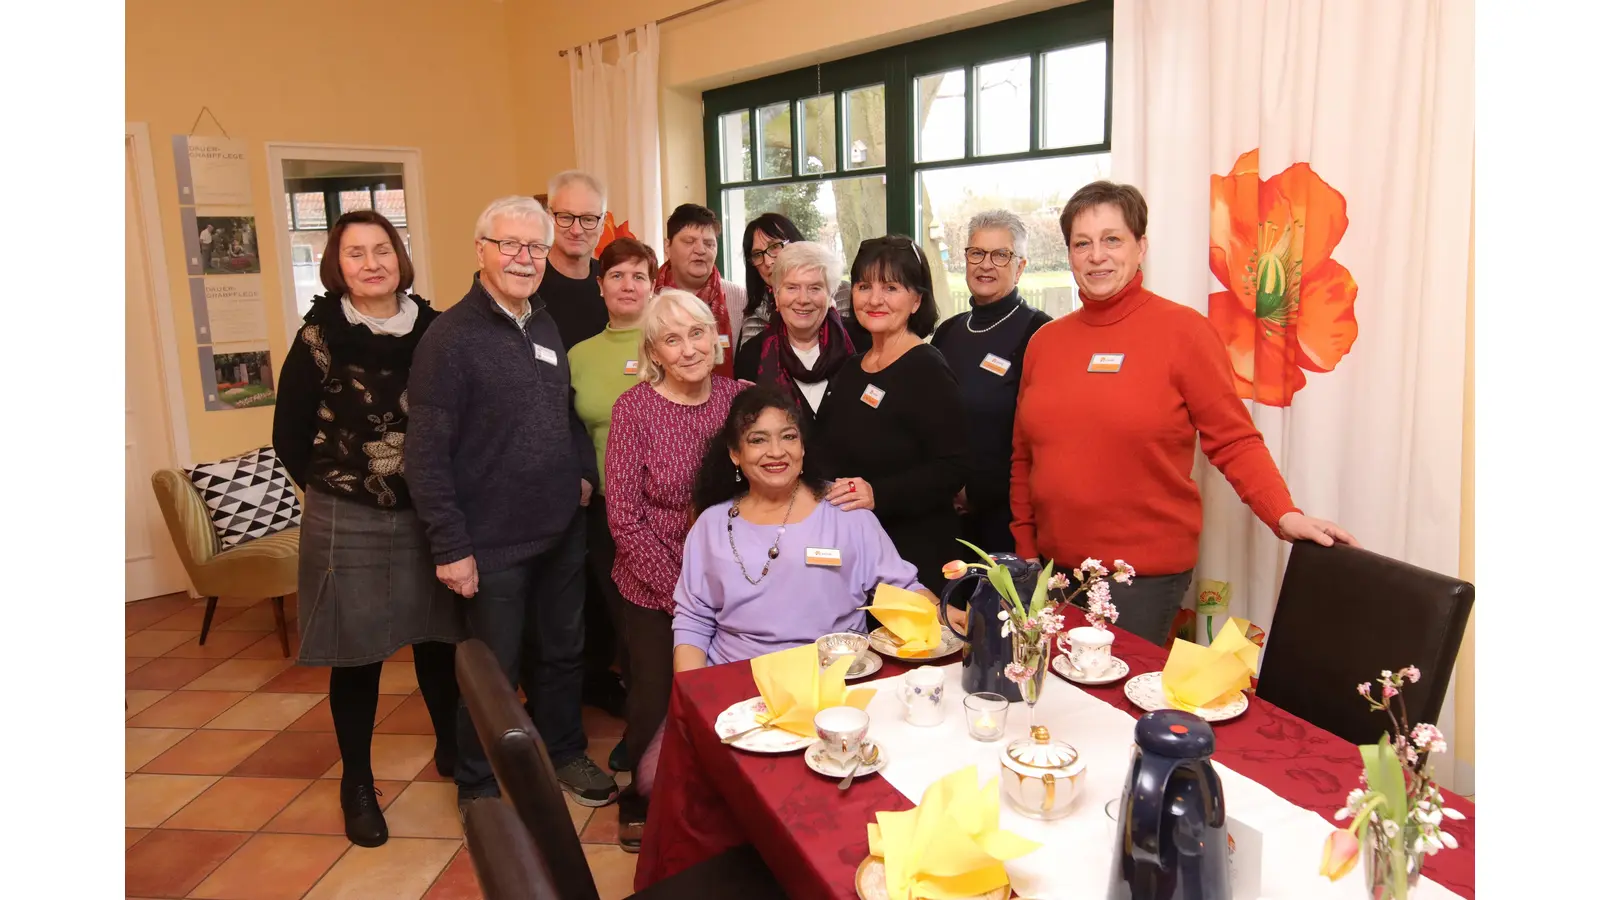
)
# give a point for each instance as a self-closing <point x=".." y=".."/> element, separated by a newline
<point x="1075" y="861"/>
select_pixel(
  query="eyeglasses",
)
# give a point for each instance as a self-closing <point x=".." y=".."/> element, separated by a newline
<point x="1001" y="257"/>
<point x="565" y="220"/>
<point x="896" y="240"/>
<point x="771" y="251"/>
<point x="512" y="249"/>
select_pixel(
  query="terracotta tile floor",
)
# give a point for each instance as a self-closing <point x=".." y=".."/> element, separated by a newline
<point x="232" y="790"/>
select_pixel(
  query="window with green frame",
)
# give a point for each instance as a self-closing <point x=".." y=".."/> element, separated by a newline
<point x="915" y="139"/>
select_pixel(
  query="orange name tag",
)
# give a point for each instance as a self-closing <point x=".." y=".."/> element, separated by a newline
<point x="995" y="364"/>
<point x="1105" y="362"/>
<point x="724" y="341"/>
<point x="823" y="556"/>
<point x="631" y="367"/>
<point x="872" y="396"/>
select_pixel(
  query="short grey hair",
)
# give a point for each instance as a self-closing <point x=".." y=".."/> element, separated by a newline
<point x="654" y="321"/>
<point x="803" y="256"/>
<point x="1002" y="218"/>
<point x="514" y="207"/>
<point x="578" y="176"/>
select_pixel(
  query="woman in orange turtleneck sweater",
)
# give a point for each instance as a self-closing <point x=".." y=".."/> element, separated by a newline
<point x="1110" y="401"/>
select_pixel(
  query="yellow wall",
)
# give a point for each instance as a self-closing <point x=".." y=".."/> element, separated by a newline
<point x="398" y="73"/>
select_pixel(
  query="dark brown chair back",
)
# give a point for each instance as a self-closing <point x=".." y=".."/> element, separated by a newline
<point x="1346" y="614"/>
<point x="522" y="766"/>
<point x="508" y="864"/>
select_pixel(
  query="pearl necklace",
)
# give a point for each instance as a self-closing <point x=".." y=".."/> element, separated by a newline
<point x="968" y="321"/>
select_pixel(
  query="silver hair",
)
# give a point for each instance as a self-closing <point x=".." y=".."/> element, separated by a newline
<point x="578" y="176"/>
<point x="1002" y="218"/>
<point x="802" y="256"/>
<point x="514" y="207"/>
<point x="654" y="321"/>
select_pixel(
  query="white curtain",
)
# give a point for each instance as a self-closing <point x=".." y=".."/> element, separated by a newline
<point x="1259" y="131"/>
<point x="616" y="119"/>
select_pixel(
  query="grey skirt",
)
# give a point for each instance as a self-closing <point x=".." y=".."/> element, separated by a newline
<point x="367" y="584"/>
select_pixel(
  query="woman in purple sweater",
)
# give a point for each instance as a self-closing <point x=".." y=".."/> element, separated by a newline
<point x="768" y="565"/>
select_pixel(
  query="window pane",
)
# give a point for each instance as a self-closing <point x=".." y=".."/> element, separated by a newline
<point x="942" y="116"/>
<point x="863" y="127"/>
<point x="358" y="184"/>
<point x="1004" y="107"/>
<point x="838" y="213"/>
<point x="392" y="204"/>
<point x="1075" y="96"/>
<point x="350" y="201"/>
<point x="1036" y="190"/>
<point x="736" y="146"/>
<point x="310" y="211"/>
<point x="775" y="140"/>
<point x="818" y="130"/>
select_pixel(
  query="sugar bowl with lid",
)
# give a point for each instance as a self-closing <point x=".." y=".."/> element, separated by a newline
<point x="1042" y="776"/>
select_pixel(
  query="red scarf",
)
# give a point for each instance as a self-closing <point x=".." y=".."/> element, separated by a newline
<point x="711" y="293"/>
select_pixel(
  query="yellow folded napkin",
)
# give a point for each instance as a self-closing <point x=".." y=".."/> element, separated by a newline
<point x="795" y="689"/>
<point x="1197" y="676"/>
<point x="950" y="847"/>
<point x="911" y="617"/>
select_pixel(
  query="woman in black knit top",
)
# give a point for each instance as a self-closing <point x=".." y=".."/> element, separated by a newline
<point x="367" y="585"/>
<point x="891" y="427"/>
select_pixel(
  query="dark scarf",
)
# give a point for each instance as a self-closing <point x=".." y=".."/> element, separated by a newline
<point x="782" y="367"/>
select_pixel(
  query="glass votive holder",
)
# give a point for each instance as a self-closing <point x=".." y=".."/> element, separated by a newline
<point x="986" y="716"/>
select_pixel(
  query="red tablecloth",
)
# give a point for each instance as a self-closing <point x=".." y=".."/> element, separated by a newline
<point x="709" y="797"/>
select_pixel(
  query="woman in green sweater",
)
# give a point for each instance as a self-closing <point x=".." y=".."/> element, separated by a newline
<point x="602" y="368"/>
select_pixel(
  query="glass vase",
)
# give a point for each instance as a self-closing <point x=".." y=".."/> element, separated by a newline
<point x="1385" y="880"/>
<point x="1030" y="652"/>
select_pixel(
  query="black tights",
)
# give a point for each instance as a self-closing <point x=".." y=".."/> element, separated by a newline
<point x="353" y="700"/>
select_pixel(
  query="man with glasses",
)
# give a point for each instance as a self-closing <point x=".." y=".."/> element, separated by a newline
<point x="499" y="463"/>
<point x="571" y="286"/>
<point x="984" y="347"/>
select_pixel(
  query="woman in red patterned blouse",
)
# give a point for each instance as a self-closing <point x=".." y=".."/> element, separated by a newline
<point x="659" y="430"/>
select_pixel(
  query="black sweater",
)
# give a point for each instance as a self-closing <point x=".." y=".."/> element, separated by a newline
<point x="574" y="304"/>
<point x="496" y="448"/>
<point x="911" y="448"/>
<point x="990" y="400"/>
<point x="341" y="417"/>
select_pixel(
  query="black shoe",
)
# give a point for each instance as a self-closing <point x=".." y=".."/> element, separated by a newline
<point x="363" y="819"/>
<point x="631" y="810"/>
<point x="619" y="761"/>
<point x="588" y="785"/>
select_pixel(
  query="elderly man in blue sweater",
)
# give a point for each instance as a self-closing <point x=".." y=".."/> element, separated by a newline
<point x="499" y="466"/>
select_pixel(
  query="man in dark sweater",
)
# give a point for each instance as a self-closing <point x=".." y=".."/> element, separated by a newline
<point x="984" y="348"/>
<point x="499" y="466"/>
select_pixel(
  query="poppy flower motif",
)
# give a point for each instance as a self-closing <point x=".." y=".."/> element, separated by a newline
<point x="610" y="232"/>
<point x="1287" y="307"/>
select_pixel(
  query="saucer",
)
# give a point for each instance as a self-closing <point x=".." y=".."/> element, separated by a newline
<point x="742" y="715"/>
<point x="884" y="641"/>
<point x="821" y="763"/>
<point x="872" y="883"/>
<point x="868" y="663"/>
<point x="1117" y="672"/>
<point x="1145" y="692"/>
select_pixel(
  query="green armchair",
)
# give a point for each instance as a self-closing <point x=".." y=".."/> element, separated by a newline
<point x="264" y="567"/>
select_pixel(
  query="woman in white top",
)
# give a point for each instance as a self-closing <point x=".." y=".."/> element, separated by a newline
<point x="807" y="343"/>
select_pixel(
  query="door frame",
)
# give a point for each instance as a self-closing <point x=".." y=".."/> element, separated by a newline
<point x="416" y="210"/>
<point x="137" y="137"/>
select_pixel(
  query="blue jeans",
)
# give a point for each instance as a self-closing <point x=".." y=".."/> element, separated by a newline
<point x="534" y="607"/>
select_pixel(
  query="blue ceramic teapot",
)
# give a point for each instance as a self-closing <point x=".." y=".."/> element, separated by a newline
<point x="1172" y="834"/>
<point x="985" y="653"/>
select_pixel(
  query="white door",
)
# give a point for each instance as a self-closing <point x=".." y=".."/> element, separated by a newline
<point x="153" y="568"/>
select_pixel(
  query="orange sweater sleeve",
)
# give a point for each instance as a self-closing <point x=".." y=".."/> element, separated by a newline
<point x="1022" y="527"/>
<point x="1228" y="436"/>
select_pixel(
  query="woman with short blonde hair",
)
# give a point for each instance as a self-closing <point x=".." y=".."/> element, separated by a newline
<point x="659" y="430"/>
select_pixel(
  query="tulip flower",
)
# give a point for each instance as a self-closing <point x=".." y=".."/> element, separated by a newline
<point x="954" y="569"/>
<point x="1339" y="854"/>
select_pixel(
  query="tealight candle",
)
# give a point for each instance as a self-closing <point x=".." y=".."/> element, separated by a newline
<point x="986" y="716"/>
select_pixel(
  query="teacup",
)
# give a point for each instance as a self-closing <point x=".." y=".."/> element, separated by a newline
<point x="922" y="692"/>
<point x="833" y="647"/>
<point x="1090" y="656"/>
<point x="841" y="729"/>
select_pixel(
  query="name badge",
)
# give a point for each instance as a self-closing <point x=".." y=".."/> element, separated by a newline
<point x="724" y="341"/>
<point x="631" y="367"/>
<point x="544" y="354"/>
<point x="872" y="396"/>
<point x="823" y="556"/>
<point x="995" y="364"/>
<point x="1105" y="362"/>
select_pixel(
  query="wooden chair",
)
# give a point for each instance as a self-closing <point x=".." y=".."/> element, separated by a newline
<point x="264" y="567"/>
<point x="508" y="865"/>
<point x="522" y="767"/>
<point x="1346" y="614"/>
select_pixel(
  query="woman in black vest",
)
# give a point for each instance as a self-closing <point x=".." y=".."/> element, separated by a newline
<point x="367" y="582"/>
<point x="984" y="347"/>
